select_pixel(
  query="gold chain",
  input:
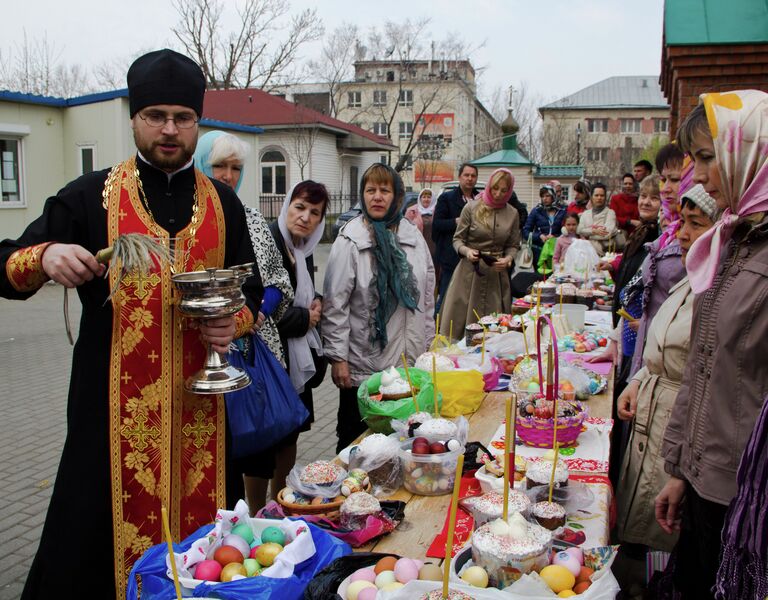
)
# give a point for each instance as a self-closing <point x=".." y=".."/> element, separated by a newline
<point x="145" y="204"/>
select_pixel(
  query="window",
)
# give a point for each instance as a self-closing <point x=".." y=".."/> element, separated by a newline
<point x="380" y="129"/>
<point x="661" y="125"/>
<point x="383" y="159"/>
<point x="87" y="158"/>
<point x="597" y="154"/>
<point x="10" y="172"/>
<point x="631" y="125"/>
<point x="597" y="125"/>
<point x="379" y="98"/>
<point x="406" y="98"/>
<point x="406" y="129"/>
<point x="390" y="75"/>
<point x="354" y="99"/>
<point x="273" y="173"/>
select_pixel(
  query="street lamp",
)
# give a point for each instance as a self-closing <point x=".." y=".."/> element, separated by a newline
<point x="578" y="143"/>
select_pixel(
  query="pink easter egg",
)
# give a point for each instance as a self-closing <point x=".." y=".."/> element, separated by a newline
<point x="208" y="570"/>
<point x="363" y="575"/>
<point x="576" y="553"/>
<point x="368" y="594"/>
<point x="406" y="570"/>
<point x="564" y="559"/>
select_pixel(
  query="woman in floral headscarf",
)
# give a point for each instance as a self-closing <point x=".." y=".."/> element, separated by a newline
<point x="487" y="239"/>
<point x="725" y="381"/>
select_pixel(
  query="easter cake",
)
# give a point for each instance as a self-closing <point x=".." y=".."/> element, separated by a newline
<point x="393" y="386"/>
<point x="549" y="514"/>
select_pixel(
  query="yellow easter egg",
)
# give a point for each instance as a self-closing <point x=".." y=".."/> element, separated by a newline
<point x="566" y="594"/>
<point x="391" y="586"/>
<point x="356" y="587"/>
<point x="558" y="578"/>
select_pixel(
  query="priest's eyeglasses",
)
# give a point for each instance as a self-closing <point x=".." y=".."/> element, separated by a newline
<point x="159" y="119"/>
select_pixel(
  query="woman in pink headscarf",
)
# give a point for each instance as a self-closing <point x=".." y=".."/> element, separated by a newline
<point x="487" y="239"/>
<point x="726" y="380"/>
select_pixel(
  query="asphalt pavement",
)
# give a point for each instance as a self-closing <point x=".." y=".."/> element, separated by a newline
<point x="35" y="363"/>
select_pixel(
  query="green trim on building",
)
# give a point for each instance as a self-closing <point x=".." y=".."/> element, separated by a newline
<point x="709" y="22"/>
<point x="555" y="171"/>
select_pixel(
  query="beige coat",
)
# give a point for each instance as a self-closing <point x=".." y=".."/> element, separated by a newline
<point x="726" y="380"/>
<point x="606" y="218"/>
<point x="348" y="303"/>
<point x="642" y="472"/>
<point x="490" y="292"/>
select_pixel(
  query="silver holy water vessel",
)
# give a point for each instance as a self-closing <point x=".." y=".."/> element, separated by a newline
<point x="211" y="294"/>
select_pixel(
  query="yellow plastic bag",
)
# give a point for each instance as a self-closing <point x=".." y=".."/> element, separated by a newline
<point x="462" y="392"/>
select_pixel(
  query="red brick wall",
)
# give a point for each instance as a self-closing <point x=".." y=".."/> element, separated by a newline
<point x="687" y="71"/>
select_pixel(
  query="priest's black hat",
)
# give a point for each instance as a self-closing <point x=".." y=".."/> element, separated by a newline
<point x="165" y="77"/>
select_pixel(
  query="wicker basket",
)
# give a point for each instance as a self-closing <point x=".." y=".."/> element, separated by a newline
<point x="538" y="432"/>
<point x="329" y="509"/>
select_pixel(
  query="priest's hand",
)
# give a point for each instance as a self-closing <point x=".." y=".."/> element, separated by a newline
<point x="219" y="333"/>
<point x="70" y="265"/>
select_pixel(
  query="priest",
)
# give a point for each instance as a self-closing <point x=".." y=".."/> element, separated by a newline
<point x="135" y="440"/>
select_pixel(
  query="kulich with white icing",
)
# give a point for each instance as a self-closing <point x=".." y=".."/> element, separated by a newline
<point x="540" y="472"/>
<point x="320" y="472"/>
<point x="442" y="363"/>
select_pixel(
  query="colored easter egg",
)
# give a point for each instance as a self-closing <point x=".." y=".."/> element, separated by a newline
<point x="227" y="554"/>
<point x="355" y="587"/>
<point x="368" y="593"/>
<point x="366" y="574"/>
<point x="208" y="570"/>
<point x="391" y="586"/>
<point x="384" y="578"/>
<point x="244" y="531"/>
<point x="266" y="553"/>
<point x="237" y="542"/>
<point x="576" y="553"/>
<point x="569" y="562"/>
<point x="584" y="574"/>
<point x="581" y="587"/>
<point x="231" y="570"/>
<point x="566" y="594"/>
<point x="256" y="541"/>
<point x="558" y="578"/>
<point x="252" y="567"/>
<point x="430" y="572"/>
<point x="475" y="576"/>
<point x="406" y="570"/>
<point x="273" y="534"/>
<point x="385" y="564"/>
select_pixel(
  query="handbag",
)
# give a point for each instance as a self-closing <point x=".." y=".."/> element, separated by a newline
<point x="269" y="409"/>
<point x="524" y="258"/>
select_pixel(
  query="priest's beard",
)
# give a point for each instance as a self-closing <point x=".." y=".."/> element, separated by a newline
<point x="159" y="157"/>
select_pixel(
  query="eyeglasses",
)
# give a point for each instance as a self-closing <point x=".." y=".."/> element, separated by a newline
<point x="159" y="119"/>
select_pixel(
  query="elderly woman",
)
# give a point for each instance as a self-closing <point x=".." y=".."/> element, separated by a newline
<point x="297" y="232"/>
<point x="427" y="202"/>
<point x="487" y="239"/>
<point x="545" y="221"/>
<point x="725" y="380"/>
<point x="598" y="224"/>
<point x="220" y="155"/>
<point x="648" y="398"/>
<point x="378" y="294"/>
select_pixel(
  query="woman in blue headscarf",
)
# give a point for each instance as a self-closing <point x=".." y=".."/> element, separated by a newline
<point x="220" y="155"/>
<point x="378" y="296"/>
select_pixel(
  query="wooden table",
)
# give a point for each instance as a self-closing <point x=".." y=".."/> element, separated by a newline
<point x="425" y="515"/>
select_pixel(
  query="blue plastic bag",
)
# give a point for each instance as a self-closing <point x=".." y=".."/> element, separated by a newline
<point x="148" y="580"/>
<point x="269" y="409"/>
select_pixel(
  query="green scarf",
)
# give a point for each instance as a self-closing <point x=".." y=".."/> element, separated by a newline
<point x="393" y="279"/>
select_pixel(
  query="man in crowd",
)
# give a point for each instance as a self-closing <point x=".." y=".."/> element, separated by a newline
<point x="641" y="170"/>
<point x="136" y="441"/>
<point x="625" y="205"/>
<point x="447" y="211"/>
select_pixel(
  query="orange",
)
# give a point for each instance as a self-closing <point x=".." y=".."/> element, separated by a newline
<point x="584" y="574"/>
<point x="580" y="588"/>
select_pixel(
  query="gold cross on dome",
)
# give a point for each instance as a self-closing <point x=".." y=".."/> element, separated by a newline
<point x="199" y="430"/>
<point x="141" y="282"/>
<point x="140" y="433"/>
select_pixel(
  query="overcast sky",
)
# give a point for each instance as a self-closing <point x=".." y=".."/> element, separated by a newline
<point x="556" y="46"/>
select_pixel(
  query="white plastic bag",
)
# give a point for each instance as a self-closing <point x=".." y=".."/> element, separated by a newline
<point x="581" y="259"/>
<point x="378" y="456"/>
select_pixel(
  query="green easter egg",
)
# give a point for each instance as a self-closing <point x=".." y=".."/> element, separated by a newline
<point x="244" y="531"/>
<point x="273" y="534"/>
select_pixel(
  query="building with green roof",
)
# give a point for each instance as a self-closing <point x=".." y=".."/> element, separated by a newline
<point x="712" y="46"/>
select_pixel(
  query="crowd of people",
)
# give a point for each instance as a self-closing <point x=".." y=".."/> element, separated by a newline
<point x="687" y="249"/>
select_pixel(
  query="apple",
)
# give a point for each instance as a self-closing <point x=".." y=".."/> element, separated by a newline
<point x="436" y="448"/>
<point x="420" y="449"/>
<point x="421" y="440"/>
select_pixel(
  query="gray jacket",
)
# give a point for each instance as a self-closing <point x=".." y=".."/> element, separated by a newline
<point x="348" y="303"/>
<point x="726" y="379"/>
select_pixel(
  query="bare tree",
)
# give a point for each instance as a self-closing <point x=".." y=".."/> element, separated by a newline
<point x="340" y="49"/>
<point x="301" y="140"/>
<point x="252" y="56"/>
<point x="34" y="66"/>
